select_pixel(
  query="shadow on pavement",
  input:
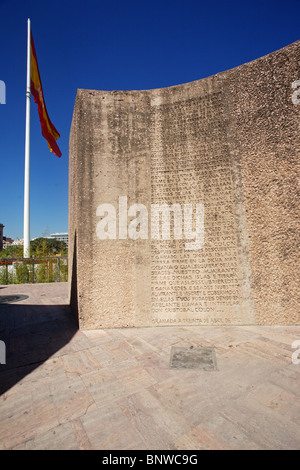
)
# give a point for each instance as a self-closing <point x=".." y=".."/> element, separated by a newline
<point x="32" y="334"/>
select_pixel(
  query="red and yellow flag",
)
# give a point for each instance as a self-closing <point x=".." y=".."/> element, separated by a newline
<point x="48" y="129"/>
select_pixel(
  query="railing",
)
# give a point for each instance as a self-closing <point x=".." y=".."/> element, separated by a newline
<point x="33" y="270"/>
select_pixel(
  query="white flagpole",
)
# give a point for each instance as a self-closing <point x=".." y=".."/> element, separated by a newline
<point x="27" y="152"/>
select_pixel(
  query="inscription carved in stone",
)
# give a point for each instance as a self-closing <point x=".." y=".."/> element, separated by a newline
<point x="219" y="159"/>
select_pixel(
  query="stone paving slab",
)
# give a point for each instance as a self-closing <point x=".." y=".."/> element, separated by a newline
<point x="62" y="388"/>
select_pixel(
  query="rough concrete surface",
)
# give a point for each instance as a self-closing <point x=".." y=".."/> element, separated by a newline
<point x="229" y="142"/>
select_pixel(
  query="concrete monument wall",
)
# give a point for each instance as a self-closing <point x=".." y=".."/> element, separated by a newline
<point x="226" y="148"/>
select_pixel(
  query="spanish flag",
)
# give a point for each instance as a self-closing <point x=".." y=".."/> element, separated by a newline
<point x="48" y="129"/>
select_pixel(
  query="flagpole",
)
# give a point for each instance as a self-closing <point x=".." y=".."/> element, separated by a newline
<point x="26" y="253"/>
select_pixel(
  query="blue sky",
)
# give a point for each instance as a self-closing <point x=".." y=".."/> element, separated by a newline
<point x="92" y="44"/>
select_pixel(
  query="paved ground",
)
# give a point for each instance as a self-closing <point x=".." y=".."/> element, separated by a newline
<point x="113" y="389"/>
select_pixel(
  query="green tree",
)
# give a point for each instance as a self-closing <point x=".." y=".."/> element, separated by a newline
<point x="42" y="247"/>
<point x="9" y="252"/>
<point x="22" y="273"/>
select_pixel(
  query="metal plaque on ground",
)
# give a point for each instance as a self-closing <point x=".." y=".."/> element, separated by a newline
<point x="193" y="358"/>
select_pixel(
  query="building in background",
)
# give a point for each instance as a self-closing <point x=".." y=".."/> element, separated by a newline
<point x="7" y="241"/>
<point x="18" y="242"/>
<point x="63" y="237"/>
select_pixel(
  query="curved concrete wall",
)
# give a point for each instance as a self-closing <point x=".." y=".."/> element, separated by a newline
<point x="228" y="145"/>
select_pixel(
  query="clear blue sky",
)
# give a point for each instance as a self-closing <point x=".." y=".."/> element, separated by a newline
<point x="109" y="45"/>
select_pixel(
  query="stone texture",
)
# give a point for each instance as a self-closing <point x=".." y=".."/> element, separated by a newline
<point x="229" y="142"/>
<point x="113" y="388"/>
